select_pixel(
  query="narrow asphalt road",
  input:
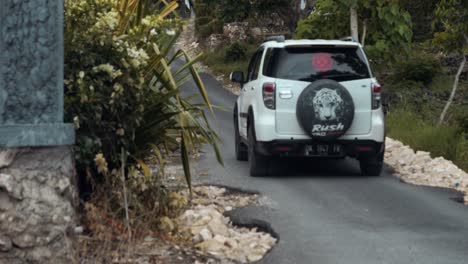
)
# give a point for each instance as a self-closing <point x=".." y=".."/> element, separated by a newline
<point x="325" y="212"/>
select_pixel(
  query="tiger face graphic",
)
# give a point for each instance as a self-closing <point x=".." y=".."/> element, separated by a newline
<point x="326" y="103"/>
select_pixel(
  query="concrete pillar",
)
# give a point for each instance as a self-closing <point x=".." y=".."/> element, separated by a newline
<point x="37" y="178"/>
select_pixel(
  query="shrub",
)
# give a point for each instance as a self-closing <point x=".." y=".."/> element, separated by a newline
<point x="212" y="27"/>
<point x="203" y="9"/>
<point x="418" y="67"/>
<point x="461" y="118"/>
<point x="235" y="10"/>
<point x="235" y="52"/>
<point x="462" y="152"/>
<point x="205" y="31"/>
<point x="123" y="97"/>
<point x="201" y="21"/>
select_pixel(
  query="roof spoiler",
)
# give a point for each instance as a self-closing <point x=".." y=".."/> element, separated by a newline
<point x="349" y="38"/>
<point x="279" y="38"/>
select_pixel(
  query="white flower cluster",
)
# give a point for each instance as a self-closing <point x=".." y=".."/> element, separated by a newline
<point x="109" y="69"/>
<point x="107" y="21"/>
<point x="138" y="57"/>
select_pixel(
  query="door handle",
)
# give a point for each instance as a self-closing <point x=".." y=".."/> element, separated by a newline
<point x="252" y="88"/>
<point x="286" y="94"/>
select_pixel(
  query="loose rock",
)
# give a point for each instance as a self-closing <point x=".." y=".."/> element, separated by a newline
<point x="214" y="234"/>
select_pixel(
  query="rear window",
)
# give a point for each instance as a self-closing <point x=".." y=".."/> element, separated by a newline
<point x="314" y="63"/>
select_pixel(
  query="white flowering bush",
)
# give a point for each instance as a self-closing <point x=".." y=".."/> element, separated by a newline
<point x="122" y="94"/>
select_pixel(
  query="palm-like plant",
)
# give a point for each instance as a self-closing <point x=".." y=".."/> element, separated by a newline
<point x="168" y="116"/>
<point x="122" y="87"/>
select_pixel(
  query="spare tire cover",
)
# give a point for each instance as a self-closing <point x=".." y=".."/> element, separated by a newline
<point x="325" y="110"/>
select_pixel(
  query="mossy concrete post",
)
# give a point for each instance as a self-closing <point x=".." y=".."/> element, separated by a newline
<point x="37" y="178"/>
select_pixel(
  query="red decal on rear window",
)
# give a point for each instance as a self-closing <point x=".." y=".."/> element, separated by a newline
<point x="322" y="62"/>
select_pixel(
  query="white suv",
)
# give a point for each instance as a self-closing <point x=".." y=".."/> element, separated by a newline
<point x="309" y="98"/>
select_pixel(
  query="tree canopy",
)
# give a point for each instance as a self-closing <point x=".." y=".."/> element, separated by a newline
<point x="385" y="25"/>
<point x="451" y="26"/>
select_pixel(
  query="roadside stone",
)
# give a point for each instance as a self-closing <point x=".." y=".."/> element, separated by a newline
<point x="5" y="243"/>
<point x="211" y="246"/>
<point x="254" y="257"/>
<point x="215" y="40"/>
<point x="235" y="31"/>
<point x="213" y="233"/>
<point x="205" y="234"/>
<point x="217" y="227"/>
<point x="420" y="169"/>
<point x="256" y="32"/>
<point x="6" y="157"/>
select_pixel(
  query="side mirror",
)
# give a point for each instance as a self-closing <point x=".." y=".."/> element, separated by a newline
<point x="237" y="77"/>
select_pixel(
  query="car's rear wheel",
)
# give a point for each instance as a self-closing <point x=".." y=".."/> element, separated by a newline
<point x="372" y="165"/>
<point x="258" y="163"/>
<point x="241" y="149"/>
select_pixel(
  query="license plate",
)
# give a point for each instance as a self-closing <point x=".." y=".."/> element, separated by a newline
<point x="323" y="150"/>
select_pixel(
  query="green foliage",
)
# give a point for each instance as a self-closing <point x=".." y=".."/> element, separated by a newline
<point x="446" y="141"/>
<point x="204" y="9"/>
<point x="462" y="119"/>
<point x="235" y="10"/>
<point x="329" y="21"/>
<point x="388" y="25"/>
<point x="207" y="25"/>
<point x="200" y="21"/>
<point x="239" y="10"/>
<point x="235" y="52"/>
<point x="452" y="22"/>
<point x="121" y="92"/>
<point x="418" y="67"/>
<point x="390" y="29"/>
<point x="268" y="6"/>
<point x="422" y="13"/>
<point x="212" y="27"/>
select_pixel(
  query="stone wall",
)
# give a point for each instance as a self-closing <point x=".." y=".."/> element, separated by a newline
<point x="38" y="198"/>
<point x="242" y="31"/>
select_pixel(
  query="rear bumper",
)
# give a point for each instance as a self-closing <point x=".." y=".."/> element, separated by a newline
<point x="265" y="129"/>
<point x="296" y="148"/>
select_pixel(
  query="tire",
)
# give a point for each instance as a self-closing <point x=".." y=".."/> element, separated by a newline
<point x="325" y="110"/>
<point x="257" y="162"/>
<point x="240" y="149"/>
<point x="372" y="165"/>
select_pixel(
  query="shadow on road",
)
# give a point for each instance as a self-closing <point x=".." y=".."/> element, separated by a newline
<point x="315" y="168"/>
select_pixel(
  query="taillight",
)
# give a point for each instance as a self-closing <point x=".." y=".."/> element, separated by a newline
<point x="376" y="95"/>
<point x="269" y="94"/>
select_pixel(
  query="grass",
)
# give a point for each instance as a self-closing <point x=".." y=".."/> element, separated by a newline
<point x="446" y="141"/>
<point x="414" y="119"/>
<point x="443" y="82"/>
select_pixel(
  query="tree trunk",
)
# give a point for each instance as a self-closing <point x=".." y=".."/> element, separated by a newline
<point x="290" y="18"/>
<point x="294" y="13"/>
<point x="454" y="90"/>
<point x="354" y="24"/>
<point x="364" y="32"/>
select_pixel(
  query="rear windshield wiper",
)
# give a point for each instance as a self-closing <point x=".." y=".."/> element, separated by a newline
<point x="309" y="79"/>
<point x="343" y="75"/>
